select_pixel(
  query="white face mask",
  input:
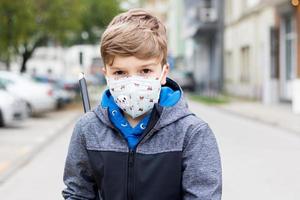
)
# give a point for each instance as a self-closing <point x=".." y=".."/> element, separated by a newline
<point x="135" y="95"/>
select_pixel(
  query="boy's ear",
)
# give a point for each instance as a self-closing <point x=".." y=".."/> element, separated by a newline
<point x="165" y="74"/>
<point x="103" y="71"/>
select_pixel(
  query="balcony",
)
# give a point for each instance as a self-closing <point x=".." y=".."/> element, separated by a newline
<point x="201" y="20"/>
<point x="206" y="15"/>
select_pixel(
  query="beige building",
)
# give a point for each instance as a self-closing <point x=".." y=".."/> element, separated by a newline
<point x="262" y="50"/>
<point x="247" y="43"/>
<point x="171" y="13"/>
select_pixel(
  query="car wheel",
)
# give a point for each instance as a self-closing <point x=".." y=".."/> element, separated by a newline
<point x="59" y="103"/>
<point x="2" y="123"/>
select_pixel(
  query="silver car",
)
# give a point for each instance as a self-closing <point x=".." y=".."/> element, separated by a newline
<point x="38" y="97"/>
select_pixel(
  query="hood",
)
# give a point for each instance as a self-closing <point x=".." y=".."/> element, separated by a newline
<point x="166" y="114"/>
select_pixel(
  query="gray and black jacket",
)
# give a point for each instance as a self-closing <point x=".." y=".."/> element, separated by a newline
<point x="177" y="158"/>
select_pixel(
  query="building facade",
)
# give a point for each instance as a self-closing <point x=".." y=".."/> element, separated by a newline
<point x="203" y="30"/>
<point x="171" y="12"/>
<point x="288" y="26"/>
<point x="247" y="48"/>
<point x="261" y="50"/>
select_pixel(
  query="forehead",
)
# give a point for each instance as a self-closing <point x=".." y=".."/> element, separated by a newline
<point x="130" y="62"/>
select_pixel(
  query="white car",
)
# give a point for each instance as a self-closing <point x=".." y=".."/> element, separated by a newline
<point x="11" y="108"/>
<point x="38" y="97"/>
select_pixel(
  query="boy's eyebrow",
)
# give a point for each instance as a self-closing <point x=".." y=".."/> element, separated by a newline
<point x="148" y="64"/>
<point x="112" y="67"/>
<point x="142" y="66"/>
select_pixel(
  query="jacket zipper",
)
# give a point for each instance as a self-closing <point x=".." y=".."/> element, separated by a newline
<point x="130" y="170"/>
<point x="130" y="177"/>
<point x="131" y="158"/>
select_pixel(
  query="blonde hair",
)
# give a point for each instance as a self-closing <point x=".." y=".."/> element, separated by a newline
<point x="134" y="33"/>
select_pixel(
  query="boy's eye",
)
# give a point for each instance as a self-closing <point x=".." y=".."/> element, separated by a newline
<point x="119" y="73"/>
<point x="146" y="71"/>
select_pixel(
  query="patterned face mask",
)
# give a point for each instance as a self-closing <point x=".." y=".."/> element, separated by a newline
<point x="135" y="95"/>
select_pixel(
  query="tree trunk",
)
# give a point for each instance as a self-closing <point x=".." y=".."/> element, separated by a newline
<point x="9" y="40"/>
<point x="25" y="57"/>
<point x="7" y="62"/>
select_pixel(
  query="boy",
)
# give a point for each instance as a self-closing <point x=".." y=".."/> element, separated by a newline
<point x="142" y="142"/>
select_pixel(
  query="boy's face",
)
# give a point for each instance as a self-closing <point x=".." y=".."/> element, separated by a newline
<point x="129" y="66"/>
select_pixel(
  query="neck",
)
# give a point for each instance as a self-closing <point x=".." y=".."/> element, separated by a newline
<point x="134" y="121"/>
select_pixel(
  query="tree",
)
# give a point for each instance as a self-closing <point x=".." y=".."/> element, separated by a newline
<point x="95" y="17"/>
<point x="27" y="24"/>
<point x="13" y="17"/>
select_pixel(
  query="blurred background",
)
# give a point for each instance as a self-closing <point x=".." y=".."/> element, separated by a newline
<point x="238" y="62"/>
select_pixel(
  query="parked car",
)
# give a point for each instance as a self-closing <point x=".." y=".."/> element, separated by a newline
<point x="11" y="108"/>
<point x="185" y="79"/>
<point x="38" y="97"/>
<point x="69" y="84"/>
<point x="62" y="95"/>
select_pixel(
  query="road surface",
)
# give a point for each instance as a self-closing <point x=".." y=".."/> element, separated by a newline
<point x="260" y="162"/>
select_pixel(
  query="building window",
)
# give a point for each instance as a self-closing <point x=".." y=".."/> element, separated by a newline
<point x="205" y="3"/>
<point x="289" y="48"/>
<point x="245" y="64"/>
<point x="274" y="52"/>
<point x="206" y="11"/>
<point x="228" y="67"/>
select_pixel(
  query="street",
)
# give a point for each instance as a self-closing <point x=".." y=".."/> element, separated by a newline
<point x="238" y="63"/>
<point x="260" y="162"/>
<point x="42" y="177"/>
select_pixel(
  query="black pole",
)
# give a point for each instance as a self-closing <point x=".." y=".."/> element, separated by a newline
<point x="84" y="93"/>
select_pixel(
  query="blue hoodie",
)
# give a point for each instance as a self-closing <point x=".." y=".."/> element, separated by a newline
<point x="167" y="98"/>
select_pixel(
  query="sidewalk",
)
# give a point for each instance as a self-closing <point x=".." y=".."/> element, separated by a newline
<point x="21" y="143"/>
<point x="279" y="115"/>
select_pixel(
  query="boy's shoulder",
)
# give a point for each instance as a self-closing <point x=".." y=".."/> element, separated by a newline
<point x="192" y="123"/>
<point x="86" y="120"/>
<point x="180" y="115"/>
<point x="179" y="118"/>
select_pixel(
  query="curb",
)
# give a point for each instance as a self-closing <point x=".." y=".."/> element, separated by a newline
<point x="21" y="161"/>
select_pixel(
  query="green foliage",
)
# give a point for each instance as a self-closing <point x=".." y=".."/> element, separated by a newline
<point x="15" y="24"/>
<point x="27" y="24"/>
<point x="214" y="100"/>
<point x="95" y="17"/>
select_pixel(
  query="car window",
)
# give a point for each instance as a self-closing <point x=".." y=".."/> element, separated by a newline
<point x="2" y="86"/>
<point x="5" y="82"/>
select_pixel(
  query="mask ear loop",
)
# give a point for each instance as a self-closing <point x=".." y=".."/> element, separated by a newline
<point x="162" y="73"/>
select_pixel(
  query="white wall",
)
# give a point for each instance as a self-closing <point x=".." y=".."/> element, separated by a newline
<point x="63" y="62"/>
<point x="47" y="58"/>
<point x="253" y="31"/>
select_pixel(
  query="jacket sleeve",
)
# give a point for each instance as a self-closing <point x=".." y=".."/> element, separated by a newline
<point x="202" y="173"/>
<point x="77" y="173"/>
